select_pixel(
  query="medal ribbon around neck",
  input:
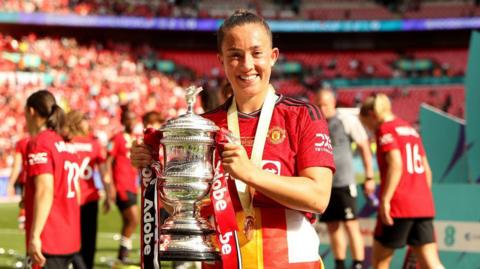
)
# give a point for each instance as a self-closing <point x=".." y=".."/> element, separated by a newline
<point x="246" y="194"/>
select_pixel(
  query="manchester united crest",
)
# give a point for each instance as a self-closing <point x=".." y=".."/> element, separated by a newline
<point x="276" y="135"/>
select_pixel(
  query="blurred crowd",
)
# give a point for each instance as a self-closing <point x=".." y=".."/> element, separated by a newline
<point x="97" y="77"/>
<point x="94" y="78"/>
<point x="273" y="9"/>
<point x="143" y="8"/>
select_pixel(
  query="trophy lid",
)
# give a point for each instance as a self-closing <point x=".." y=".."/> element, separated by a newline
<point x="190" y="121"/>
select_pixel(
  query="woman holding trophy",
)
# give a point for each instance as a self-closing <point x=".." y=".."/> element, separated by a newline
<point x="283" y="168"/>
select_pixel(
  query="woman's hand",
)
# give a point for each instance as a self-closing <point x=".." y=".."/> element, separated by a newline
<point x="369" y="187"/>
<point x="140" y="154"/>
<point x="10" y="190"/>
<point x="235" y="161"/>
<point x="384" y="211"/>
<point x="110" y="197"/>
<point x="35" y="251"/>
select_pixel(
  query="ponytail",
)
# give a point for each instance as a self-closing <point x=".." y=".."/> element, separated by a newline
<point x="56" y="119"/>
<point x="43" y="102"/>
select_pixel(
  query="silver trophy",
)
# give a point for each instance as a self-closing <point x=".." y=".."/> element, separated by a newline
<point x="188" y="146"/>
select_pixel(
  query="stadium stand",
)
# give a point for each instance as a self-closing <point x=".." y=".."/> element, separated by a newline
<point x="96" y="77"/>
<point x="272" y="9"/>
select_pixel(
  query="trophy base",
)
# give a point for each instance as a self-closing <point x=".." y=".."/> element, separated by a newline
<point x="191" y="247"/>
<point x="188" y="256"/>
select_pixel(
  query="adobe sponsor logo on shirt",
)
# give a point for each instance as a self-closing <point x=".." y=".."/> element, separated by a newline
<point x="324" y="143"/>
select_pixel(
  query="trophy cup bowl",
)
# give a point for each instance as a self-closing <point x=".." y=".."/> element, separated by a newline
<point x="188" y="146"/>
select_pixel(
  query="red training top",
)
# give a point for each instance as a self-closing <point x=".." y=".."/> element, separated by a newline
<point x="298" y="138"/>
<point x="90" y="153"/>
<point x="21" y="147"/>
<point x="413" y="197"/>
<point x="49" y="154"/>
<point x="124" y="174"/>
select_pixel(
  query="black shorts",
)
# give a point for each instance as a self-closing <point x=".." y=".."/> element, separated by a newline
<point x="126" y="200"/>
<point x="411" y="231"/>
<point x="342" y="205"/>
<point x="57" y="261"/>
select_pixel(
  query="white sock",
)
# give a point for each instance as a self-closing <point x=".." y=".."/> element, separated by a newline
<point x="126" y="242"/>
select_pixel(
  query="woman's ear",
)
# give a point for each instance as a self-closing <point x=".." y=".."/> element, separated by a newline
<point x="274" y="56"/>
<point x="220" y="58"/>
<point x="31" y="111"/>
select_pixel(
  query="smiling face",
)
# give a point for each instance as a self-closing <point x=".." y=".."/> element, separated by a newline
<point x="247" y="57"/>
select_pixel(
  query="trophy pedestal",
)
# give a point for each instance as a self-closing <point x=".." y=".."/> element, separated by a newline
<point x="187" y="247"/>
<point x="187" y="239"/>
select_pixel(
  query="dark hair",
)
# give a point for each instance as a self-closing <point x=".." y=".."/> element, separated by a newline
<point x="152" y="117"/>
<point x="238" y="18"/>
<point x="43" y="102"/>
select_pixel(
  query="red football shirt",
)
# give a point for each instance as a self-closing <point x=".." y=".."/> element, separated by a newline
<point x="124" y="174"/>
<point x="298" y="138"/>
<point x="413" y="197"/>
<point x="21" y="147"/>
<point x="49" y="154"/>
<point x="90" y="153"/>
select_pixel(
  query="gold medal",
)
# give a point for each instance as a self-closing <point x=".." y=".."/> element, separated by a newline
<point x="248" y="227"/>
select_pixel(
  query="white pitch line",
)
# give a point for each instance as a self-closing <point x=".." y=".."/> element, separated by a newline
<point x="101" y="235"/>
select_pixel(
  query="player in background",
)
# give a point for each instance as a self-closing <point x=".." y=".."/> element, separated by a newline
<point x="342" y="209"/>
<point x="18" y="176"/>
<point x="125" y="179"/>
<point x="51" y="190"/>
<point x="91" y="157"/>
<point x="406" y="210"/>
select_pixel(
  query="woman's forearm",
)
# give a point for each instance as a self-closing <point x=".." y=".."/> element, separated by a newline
<point x="43" y="200"/>
<point x="393" y="176"/>
<point x="308" y="192"/>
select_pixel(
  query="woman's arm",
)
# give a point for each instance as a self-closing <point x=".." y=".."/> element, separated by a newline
<point x="106" y="169"/>
<point x="428" y="171"/>
<point x="43" y="199"/>
<point x="394" y="174"/>
<point x="366" y="155"/>
<point x="310" y="191"/>
<point x="16" y="168"/>
<point x="106" y="178"/>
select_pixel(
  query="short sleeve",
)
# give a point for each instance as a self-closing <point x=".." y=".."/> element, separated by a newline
<point x="386" y="140"/>
<point x="314" y="145"/>
<point x="354" y="128"/>
<point x="421" y="148"/>
<point x="40" y="159"/>
<point x="18" y="146"/>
